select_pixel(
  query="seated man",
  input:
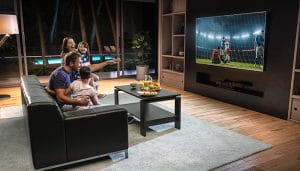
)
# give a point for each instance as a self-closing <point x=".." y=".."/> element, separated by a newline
<point x="60" y="80"/>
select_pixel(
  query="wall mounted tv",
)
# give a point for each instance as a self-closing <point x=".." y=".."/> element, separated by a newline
<point x="236" y="41"/>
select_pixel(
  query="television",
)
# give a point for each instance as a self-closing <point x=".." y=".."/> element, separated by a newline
<point x="235" y="41"/>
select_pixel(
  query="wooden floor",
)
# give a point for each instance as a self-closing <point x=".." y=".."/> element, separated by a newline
<point x="283" y="135"/>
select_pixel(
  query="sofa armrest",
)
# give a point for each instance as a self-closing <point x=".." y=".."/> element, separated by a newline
<point x="95" y="131"/>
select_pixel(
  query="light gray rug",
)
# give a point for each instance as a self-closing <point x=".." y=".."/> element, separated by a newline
<point x="197" y="146"/>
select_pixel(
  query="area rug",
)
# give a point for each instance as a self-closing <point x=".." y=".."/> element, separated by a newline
<point x="198" y="145"/>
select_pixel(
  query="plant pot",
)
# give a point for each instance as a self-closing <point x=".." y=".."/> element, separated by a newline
<point x="141" y="71"/>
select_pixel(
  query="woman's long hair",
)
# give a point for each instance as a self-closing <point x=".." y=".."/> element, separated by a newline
<point x="64" y="48"/>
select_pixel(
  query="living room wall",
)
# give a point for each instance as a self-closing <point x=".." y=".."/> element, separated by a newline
<point x="274" y="81"/>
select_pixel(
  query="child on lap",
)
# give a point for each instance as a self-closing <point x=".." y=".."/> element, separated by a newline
<point x="81" y="88"/>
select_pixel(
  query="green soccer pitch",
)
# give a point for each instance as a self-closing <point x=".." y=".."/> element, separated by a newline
<point x="239" y="65"/>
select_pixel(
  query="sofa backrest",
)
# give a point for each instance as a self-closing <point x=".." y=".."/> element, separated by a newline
<point x="45" y="123"/>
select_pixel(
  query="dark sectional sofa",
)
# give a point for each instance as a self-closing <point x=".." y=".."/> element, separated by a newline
<point x="59" y="138"/>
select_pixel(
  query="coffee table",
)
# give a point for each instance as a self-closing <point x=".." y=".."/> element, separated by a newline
<point x="150" y="114"/>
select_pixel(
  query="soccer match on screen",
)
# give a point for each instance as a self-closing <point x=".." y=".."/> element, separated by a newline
<point x="236" y="41"/>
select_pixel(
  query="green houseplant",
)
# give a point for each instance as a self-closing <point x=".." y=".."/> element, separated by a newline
<point x="141" y="44"/>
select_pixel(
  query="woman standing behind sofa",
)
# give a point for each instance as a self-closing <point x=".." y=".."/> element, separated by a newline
<point x="68" y="45"/>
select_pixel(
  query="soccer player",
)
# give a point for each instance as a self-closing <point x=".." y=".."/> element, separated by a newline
<point x="215" y="57"/>
<point x="227" y="52"/>
<point x="222" y="48"/>
<point x="259" y="47"/>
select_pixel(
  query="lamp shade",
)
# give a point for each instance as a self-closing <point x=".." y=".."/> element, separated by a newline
<point x="8" y="24"/>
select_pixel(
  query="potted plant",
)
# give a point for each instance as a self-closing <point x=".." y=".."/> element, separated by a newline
<point x="141" y="44"/>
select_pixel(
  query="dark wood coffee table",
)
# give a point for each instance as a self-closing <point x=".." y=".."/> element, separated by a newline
<point x="150" y="114"/>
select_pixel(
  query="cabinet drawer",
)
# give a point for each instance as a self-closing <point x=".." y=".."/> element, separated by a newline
<point x="295" y="114"/>
<point x="172" y="80"/>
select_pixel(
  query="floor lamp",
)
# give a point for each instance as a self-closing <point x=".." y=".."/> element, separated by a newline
<point x="8" y="26"/>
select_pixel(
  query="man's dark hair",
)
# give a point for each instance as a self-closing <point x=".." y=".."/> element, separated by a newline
<point x="71" y="57"/>
<point x="84" y="72"/>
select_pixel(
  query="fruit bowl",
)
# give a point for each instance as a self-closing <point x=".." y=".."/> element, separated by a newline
<point x="149" y="86"/>
<point x="147" y="93"/>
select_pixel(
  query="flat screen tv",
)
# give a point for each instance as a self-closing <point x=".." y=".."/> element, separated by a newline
<point x="236" y="41"/>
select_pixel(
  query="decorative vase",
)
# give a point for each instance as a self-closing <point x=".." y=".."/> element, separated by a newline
<point x="141" y="71"/>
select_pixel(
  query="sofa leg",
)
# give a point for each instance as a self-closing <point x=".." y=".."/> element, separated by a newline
<point x="126" y="153"/>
